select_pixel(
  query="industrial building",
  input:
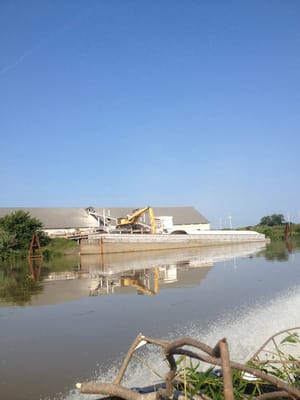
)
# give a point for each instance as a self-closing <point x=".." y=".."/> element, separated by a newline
<point x="66" y="222"/>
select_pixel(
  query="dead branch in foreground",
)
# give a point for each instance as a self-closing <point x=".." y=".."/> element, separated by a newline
<point x="217" y="356"/>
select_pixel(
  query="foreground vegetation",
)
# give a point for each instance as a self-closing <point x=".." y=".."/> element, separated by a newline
<point x="200" y="372"/>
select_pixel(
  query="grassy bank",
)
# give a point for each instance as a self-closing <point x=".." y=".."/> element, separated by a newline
<point x="60" y="247"/>
<point x="277" y="232"/>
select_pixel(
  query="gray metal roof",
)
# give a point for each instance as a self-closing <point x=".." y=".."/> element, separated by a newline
<point x="59" y="218"/>
<point x="181" y="215"/>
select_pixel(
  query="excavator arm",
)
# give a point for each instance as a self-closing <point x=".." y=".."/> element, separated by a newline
<point x="135" y="216"/>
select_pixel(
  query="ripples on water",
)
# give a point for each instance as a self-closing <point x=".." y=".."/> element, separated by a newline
<point x="219" y="299"/>
<point x="234" y="326"/>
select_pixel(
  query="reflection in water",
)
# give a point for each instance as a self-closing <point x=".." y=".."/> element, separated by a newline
<point x="143" y="273"/>
<point x="144" y="281"/>
<point x="280" y="250"/>
<point x="199" y="296"/>
<point x="21" y="280"/>
<point x="17" y="286"/>
<point x="61" y="280"/>
<point x="35" y="266"/>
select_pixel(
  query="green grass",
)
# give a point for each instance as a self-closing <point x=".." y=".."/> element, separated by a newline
<point x="60" y="247"/>
<point x="277" y="232"/>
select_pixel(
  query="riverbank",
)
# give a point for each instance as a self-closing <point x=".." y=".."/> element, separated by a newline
<point x="279" y="232"/>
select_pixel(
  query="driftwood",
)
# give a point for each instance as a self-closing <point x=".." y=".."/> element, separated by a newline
<point x="217" y="356"/>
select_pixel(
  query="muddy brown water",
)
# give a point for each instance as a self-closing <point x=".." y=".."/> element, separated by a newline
<point x="63" y="325"/>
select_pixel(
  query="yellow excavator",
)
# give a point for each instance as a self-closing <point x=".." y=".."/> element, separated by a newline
<point x="140" y="286"/>
<point x="132" y="221"/>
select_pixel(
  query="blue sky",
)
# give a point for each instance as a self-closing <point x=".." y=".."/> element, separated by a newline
<point x="162" y="103"/>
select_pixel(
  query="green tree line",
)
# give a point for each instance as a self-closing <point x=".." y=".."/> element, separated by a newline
<point x="277" y="228"/>
<point x="16" y="231"/>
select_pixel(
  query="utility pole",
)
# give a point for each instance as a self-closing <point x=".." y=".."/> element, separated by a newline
<point x="230" y="221"/>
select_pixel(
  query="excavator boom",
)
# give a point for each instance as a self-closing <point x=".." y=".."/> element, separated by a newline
<point x="135" y="216"/>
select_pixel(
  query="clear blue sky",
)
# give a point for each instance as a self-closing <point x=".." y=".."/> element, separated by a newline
<point x="158" y="102"/>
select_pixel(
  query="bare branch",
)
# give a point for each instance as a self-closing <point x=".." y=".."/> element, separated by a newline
<point x="219" y="355"/>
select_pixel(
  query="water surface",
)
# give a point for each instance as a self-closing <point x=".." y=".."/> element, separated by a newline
<point x="73" y="321"/>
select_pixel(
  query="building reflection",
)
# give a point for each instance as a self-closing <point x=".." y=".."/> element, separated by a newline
<point x="144" y="273"/>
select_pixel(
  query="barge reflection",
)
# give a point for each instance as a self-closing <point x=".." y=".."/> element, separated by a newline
<point x="141" y="273"/>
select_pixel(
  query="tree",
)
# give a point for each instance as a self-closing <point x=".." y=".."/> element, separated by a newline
<point x="20" y="226"/>
<point x="272" y="220"/>
<point x="7" y="241"/>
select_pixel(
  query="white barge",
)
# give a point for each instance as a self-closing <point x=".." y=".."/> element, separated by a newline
<point x="123" y="243"/>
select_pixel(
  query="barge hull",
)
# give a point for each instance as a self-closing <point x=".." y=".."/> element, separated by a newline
<point x="121" y="243"/>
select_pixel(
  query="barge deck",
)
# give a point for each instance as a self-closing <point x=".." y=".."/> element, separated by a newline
<point x="123" y="243"/>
